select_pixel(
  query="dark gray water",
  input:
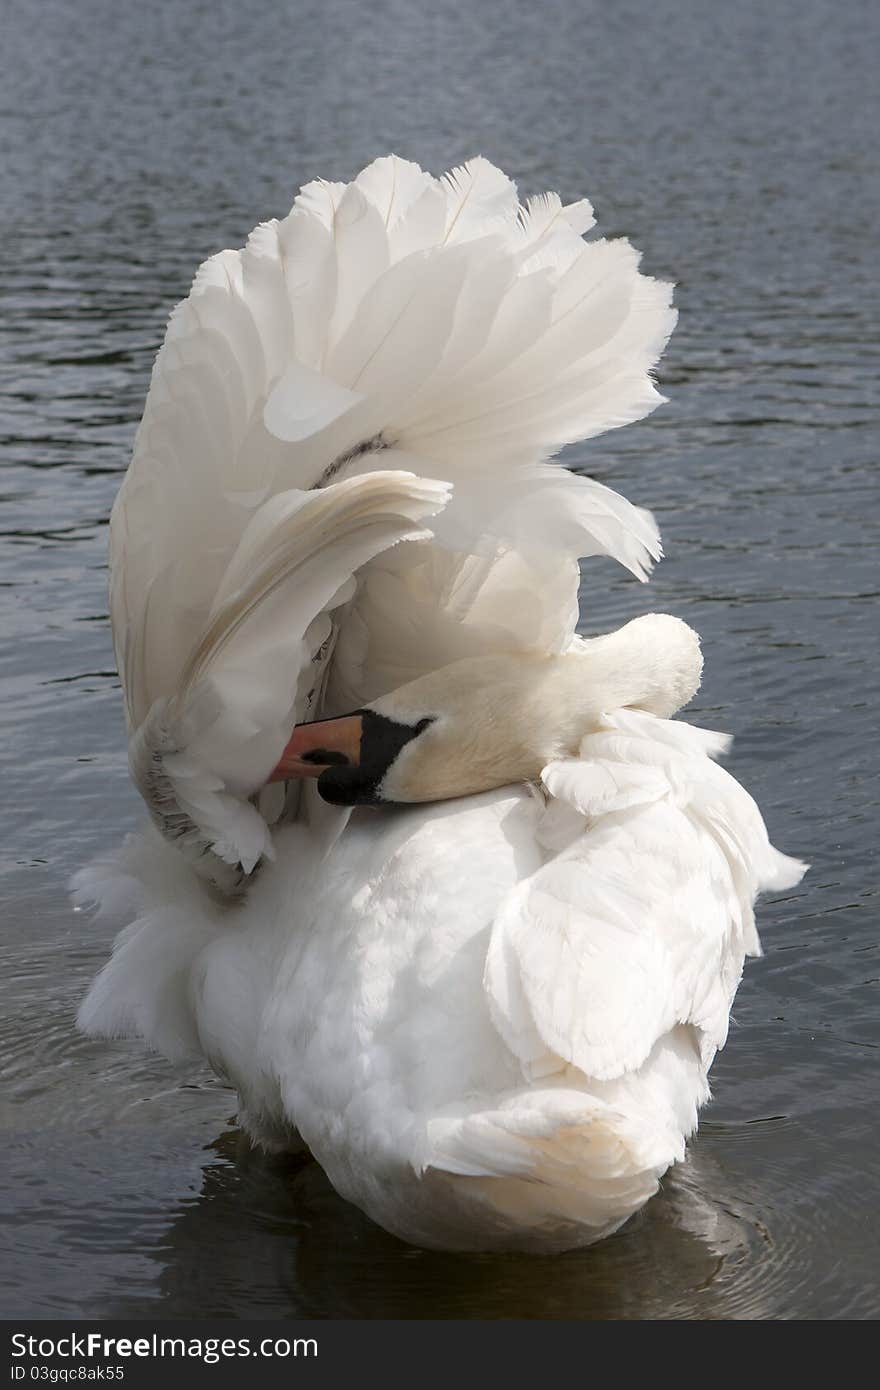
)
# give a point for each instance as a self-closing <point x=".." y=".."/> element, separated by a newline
<point x="733" y="143"/>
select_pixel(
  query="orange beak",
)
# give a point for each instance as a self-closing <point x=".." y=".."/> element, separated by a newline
<point x="314" y="747"/>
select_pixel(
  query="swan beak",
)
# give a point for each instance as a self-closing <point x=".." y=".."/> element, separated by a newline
<point x="314" y="747"/>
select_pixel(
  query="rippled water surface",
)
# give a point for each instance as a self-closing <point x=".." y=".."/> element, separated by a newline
<point x="734" y="143"/>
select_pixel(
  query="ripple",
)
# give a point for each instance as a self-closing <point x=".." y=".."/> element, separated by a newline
<point x="761" y="470"/>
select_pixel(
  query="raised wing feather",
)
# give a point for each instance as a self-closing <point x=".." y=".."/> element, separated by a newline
<point x="206" y="747"/>
<point x="428" y="324"/>
<point x="477" y="341"/>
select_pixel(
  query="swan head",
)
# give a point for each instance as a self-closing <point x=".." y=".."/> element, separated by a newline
<point x="486" y="722"/>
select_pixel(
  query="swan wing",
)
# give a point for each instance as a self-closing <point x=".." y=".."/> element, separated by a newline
<point x="203" y="750"/>
<point x="399" y="324"/>
<point x="435" y="317"/>
<point x="642" y="917"/>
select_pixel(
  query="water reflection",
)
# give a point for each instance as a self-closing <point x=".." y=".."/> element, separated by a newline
<point x="271" y="1236"/>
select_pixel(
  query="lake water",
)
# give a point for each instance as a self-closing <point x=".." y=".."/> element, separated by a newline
<point x="735" y="145"/>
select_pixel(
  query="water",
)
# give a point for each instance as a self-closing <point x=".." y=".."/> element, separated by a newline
<point x="732" y="144"/>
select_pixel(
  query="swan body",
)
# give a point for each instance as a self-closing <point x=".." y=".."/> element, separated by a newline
<point x="442" y="889"/>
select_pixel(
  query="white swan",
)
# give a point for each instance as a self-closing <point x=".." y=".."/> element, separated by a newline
<point x="489" y="1018"/>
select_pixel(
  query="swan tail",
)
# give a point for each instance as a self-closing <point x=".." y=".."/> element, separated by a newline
<point x="202" y="753"/>
<point x="570" y="1162"/>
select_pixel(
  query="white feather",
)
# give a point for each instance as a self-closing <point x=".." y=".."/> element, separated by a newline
<point x="491" y="1020"/>
<point x="201" y="752"/>
<point x="674" y="854"/>
<point x="480" y="198"/>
